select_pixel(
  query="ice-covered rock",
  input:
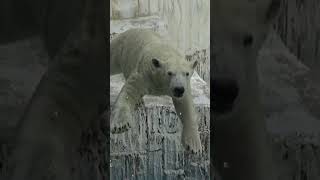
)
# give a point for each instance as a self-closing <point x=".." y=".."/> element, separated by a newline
<point x="152" y="149"/>
<point x="151" y="22"/>
<point x="203" y="67"/>
<point x="188" y="21"/>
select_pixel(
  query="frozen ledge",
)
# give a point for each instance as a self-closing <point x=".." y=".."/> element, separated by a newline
<point x="200" y="92"/>
<point x="152" y="148"/>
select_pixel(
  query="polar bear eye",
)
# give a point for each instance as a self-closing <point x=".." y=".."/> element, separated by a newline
<point x="156" y="63"/>
<point x="170" y="73"/>
<point x="187" y="73"/>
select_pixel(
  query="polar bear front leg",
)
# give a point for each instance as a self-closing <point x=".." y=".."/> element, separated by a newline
<point x="186" y="112"/>
<point x="122" y="113"/>
<point x="121" y="117"/>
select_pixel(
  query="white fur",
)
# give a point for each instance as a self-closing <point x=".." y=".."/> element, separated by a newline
<point x="151" y="66"/>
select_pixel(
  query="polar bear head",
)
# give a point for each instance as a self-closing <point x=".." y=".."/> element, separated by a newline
<point x="169" y="72"/>
<point x="239" y="30"/>
<point x="175" y="75"/>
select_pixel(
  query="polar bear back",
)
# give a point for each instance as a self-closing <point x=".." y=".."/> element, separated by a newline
<point x="128" y="48"/>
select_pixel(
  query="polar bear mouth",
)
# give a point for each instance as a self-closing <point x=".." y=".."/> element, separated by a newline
<point x="177" y="95"/>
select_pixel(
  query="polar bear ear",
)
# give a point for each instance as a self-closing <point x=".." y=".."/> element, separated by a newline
<point x="193" y="64"/>
<point x="156" y="63"/>
<point x="272" y="10"/>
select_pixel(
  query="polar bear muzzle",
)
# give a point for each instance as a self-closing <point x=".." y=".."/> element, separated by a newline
<point x="178" y="91"/>
<point x="178" y="83"/>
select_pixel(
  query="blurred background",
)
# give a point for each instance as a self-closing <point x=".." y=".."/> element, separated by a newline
<point x="288" y="66"/>
<point x="289" y="77"/>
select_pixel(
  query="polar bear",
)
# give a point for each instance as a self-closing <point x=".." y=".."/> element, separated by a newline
<point x="151" y="66"/>
<point x="241" y="149"/>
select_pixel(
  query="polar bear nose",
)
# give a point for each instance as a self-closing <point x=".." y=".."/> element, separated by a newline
<point x="225" y="92"/>
<point x="178" y="91"/>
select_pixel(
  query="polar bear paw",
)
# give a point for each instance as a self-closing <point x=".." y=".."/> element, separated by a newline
<point x="191" y="141"/>
<point x="121" y="120"/>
